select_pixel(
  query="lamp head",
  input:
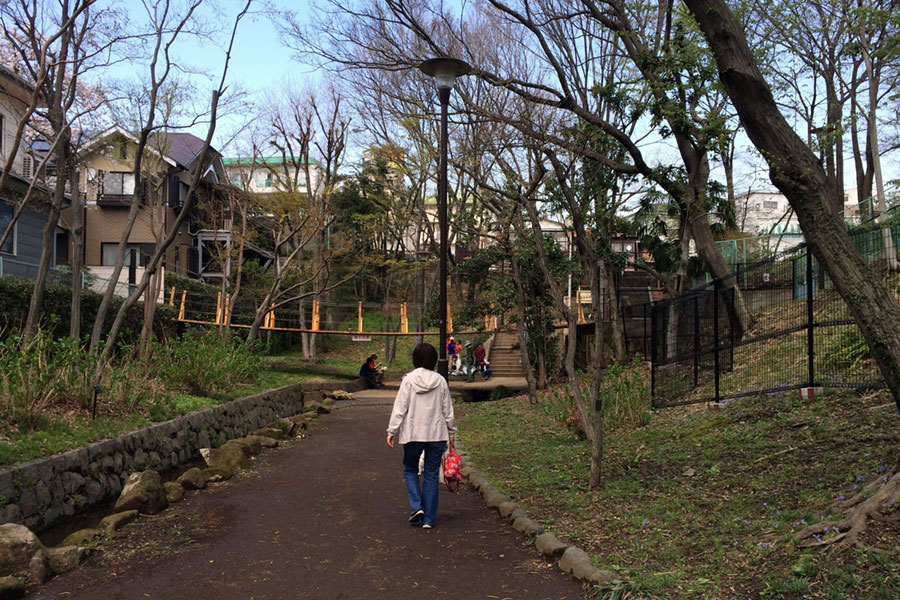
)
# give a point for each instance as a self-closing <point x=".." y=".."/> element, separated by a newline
<point x="445" y="70"/>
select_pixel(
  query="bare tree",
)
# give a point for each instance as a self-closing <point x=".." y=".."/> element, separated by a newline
<point x="308" y="133"/>
<point x="54" y="62"/>
<point x="201" y="165"/>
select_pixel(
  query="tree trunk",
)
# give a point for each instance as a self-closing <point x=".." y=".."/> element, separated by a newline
<point x="520" y="317"/>
<point x="597" y="366"/>
<point x="797" y="173"/>
<point x="77" y="254"/>
<point x="47" y="241"/>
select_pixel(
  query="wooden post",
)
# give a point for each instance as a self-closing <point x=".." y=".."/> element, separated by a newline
<point x="449" y="320"/>
<point x="172" y="297"/>
<point x="404" y="324"/>
<point x="359" y="329"/>
<point x="181" y="308"/>
<point x="227" y="307"/>
<point x="580" y="310"/>
<point x="494" y="323"/>
<point x="315" y="315"/>
<point x="218" y="307"/>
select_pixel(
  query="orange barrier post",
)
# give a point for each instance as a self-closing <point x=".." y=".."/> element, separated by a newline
<point x="359" y="329"/>
<point x="172" y="297"/>
<point x="181" y="308"/>
<point x="487" y="322"/>
<point x="449" y="320"/>
<point x="404" y="324"/>
<point x="218" y="307"/>
<point x="227" y="308"/>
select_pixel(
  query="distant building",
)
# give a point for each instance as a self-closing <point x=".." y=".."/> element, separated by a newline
<point x="770" y="214"/>
<point x="273" y="174"/>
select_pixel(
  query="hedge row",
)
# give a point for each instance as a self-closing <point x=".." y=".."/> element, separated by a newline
<point x="56" y="311"/>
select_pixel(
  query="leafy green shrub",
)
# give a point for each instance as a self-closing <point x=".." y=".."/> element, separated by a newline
<point x="846" y="349"/>
<point x="57" y="310"/>
<point x="205" y="363"/>
<point x="193" y="286"/>
<point x="41" y="373"/>
<point x="625" y="393"/>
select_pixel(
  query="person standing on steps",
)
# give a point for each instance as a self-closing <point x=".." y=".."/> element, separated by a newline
<point x="422" y="421"/>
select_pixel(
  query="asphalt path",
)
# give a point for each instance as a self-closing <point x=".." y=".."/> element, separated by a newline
<point x="322" y="518"/>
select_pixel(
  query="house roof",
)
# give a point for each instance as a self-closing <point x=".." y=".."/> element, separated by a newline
<point x="15" y="86"/>
<point x="184" y="148"/>
<point x="272" y="160"/>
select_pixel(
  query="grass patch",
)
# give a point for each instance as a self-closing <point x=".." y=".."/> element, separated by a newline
<point x="702" y="504"/>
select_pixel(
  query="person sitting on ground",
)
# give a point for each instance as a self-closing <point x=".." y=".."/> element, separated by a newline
<point x="377" y="368"/>
<point x="422" y="421"/>
<point x="371" y="373"/>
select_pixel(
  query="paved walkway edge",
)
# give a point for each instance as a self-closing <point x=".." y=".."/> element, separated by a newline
<point x="569" y="558"/>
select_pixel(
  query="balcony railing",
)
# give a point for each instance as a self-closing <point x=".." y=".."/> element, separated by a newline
<point x="114" y="200"/>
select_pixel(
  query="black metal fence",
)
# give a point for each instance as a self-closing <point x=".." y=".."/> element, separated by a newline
<point x="800" y="332"/>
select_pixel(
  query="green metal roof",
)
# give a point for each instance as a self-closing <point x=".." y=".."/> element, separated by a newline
<point x="272" y="160"/>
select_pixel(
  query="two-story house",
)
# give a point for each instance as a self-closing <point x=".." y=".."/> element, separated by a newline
<point x="108" y="184"/>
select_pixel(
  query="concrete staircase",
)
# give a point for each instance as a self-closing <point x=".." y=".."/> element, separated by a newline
<point x="504" y="358"/>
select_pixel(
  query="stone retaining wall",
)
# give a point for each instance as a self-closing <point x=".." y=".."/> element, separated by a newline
<point x="41" y="492"/>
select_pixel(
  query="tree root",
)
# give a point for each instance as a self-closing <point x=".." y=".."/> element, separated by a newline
<point x="876" y="501"/>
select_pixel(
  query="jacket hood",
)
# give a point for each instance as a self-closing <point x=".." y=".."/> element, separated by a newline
<point x="423" y="380"/>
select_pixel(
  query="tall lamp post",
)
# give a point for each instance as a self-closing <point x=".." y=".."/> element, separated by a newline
<point x="445" y="71"/>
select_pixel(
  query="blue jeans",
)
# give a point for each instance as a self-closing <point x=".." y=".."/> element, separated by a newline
<point x="426" y="497"/>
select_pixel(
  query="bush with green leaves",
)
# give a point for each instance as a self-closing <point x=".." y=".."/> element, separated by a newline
<point x="41" y="372"/>
<point x="205" y="363"/>
<point x="624" y="394"/>
<point x="56" y="311"/>
<point x="845" y="350"/>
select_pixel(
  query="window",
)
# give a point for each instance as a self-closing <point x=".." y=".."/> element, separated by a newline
<point x="118" y="183"/>
<point x="770" y="204"/>
<point x="108" y="253"/>
<point x="6" y="214"/>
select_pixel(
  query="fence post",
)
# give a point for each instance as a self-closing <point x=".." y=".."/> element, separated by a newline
<point x="810" y="334"/>
<point x="1" y="266"/>
<point x="716" y="338"/>
<point x="696" y="341"/>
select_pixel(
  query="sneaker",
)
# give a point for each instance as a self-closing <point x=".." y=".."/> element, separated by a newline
<point x="426" y="526"/>
<point x="416" y="517"/>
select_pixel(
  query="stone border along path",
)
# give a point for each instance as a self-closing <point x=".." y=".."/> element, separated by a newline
<point x="323" y="518"/>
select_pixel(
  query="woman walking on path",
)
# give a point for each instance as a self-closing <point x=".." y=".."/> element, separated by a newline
<point x="422" y="421"/>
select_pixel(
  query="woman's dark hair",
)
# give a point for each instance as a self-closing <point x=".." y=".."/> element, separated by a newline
<point x="424" y="356"/>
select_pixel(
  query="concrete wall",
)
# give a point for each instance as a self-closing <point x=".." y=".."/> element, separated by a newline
<point x="42" y="492"/>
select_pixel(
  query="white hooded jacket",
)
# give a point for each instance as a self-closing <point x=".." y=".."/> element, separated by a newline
<point x="423" y="411"/>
